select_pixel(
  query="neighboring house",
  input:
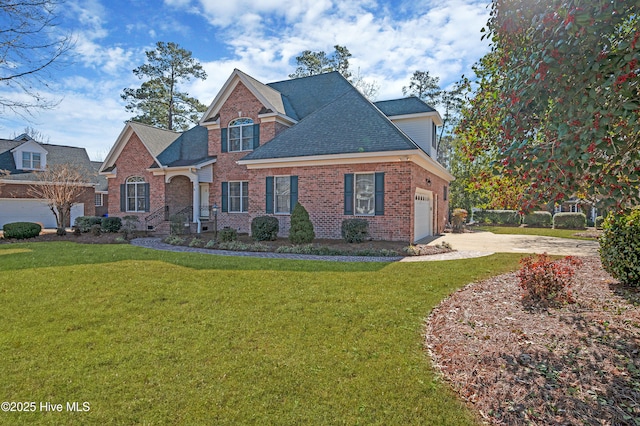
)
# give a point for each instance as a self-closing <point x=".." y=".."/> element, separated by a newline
<point x="260" y="148"/>
<point x="577" y="205"/>
<point x="101" y="199"/>
<point x="22" y="158"/>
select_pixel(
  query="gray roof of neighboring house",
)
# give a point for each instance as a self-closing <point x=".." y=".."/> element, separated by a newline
<point x="56" y="154"/>
<point x="190" y="148"/>
<point x="410" y="105"/>
<point x="102" y="185"/>
<point x="346" y="124"/>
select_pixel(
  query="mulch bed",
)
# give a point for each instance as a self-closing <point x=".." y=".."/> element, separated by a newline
<point x="574" y="364"/>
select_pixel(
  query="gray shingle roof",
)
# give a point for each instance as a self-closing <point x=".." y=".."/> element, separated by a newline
<point x="347" y="124"/>
<point x="307" y="94"/>
<point x="410" y="105"/>
<point x="56" y="154"/>
<point x="190" y="148"/>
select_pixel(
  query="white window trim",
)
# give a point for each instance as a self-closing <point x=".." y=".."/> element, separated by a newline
<point x="243" y="208"/>
<point x="31" y="154"/>
<point x="275" y="195"/>
<point x="355" y="194"/>
<point x="101" y="200"/>
<point x="136" y="183"/>
<point x="240" y="127"/>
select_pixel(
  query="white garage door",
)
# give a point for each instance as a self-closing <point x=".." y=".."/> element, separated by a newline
<point x="423" y="217"/>
<point x="23" y="210"/>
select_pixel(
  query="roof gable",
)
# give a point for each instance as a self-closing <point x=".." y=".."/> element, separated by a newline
<point x="270" y="98"/>
<point x="190" y="148"/>
<point x="155" y="140"/>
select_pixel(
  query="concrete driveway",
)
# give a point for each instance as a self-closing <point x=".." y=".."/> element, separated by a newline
<point x="488" y="242"/>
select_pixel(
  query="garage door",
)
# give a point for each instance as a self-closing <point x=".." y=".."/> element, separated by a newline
<point x="22" y="210"/>
<point x="423" y="217"/>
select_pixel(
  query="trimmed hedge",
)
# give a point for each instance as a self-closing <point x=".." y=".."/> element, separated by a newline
<point x="301" y="231"/>
<point x="265" y="228"/>
<point x="85" y="223"/>
<point x="539" y="219"/>
<point x="599" y="222"/>
<point x="620" y="246"/>
<point x="497" y="217"/>
<point x="355" y="230"/>
<point x="111" y="224"/>
<point x="21" y="230"/>
<point x="570" y="221"/>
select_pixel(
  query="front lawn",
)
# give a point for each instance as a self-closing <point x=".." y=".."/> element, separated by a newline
<point x="148" y="337"/>
<point x="544" y="232"/>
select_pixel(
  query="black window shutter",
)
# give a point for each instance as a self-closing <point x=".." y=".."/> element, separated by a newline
<point x="246" y="205"/>
<point x="348" y="194"/>
<point x="256" y="136"/>
<point x="224" y="140"/>
<point x="225" y="197"/>
<point x="146" y="197"/>
<point x="123" y="197"/>
<point x="269" y="197"/>
<point x="294" y="192"/>
<point x="379" y="183"/>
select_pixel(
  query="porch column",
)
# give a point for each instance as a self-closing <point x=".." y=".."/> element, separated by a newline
<point x="196" y="200"/>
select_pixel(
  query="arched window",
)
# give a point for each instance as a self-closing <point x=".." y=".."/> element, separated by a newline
<point x="241" y="134"/>
<point x="137" y="194"/>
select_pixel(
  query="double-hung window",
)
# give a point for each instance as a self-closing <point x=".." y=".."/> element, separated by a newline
<point x="241" y="135"/>
<point x="31" y="160"/>
<point x="364" y="194"/>
<point x="137" y="195"/>
<point x="238" y="197"/>
<point x="282" y="193"/>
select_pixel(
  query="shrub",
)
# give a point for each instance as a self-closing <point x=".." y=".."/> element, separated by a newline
<point x="96" y="230"/>
<point x="355" y="230"/>
<point x="129" y="225"/>
<point x="301" y="230"/>
<point x="84" y="223"/>
<point x="265" y="228"/>
<point x="620" y="246"/>
<point x="498" y="217"/>
<point x="227" y="234"/>
<point x="569" y="221"/>
<point x="177" y="224"/>
<point x="459" y="218"/>
<point x="111" y="224"/>
<point x="599" y="222"/>
<point x="174" y="240"/>
<point x="211" y="244"/>
<point x="545" y="282"/>
<point x="21" y="230"/>
<point x="196" y="242"/>
<point x="539" y="219"/>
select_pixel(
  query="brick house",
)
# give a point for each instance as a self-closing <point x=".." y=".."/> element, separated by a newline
<point x="260" y="148"/>
<point x="21" y="158"/>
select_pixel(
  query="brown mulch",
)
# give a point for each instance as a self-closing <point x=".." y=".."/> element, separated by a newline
<point x="574" y="364"/>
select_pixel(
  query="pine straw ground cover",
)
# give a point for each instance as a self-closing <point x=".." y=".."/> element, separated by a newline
<point x="574" y="364"/>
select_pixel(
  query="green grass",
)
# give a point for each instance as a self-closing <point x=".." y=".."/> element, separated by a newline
<point x="544" y="232"/>
<point x="149" y="337"/>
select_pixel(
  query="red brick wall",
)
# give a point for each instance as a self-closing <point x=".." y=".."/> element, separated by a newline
<point x="179" y="193"/>
<point x="134" y="160"/>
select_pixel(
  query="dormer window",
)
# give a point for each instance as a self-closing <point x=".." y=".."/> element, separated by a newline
<point x="31" y="160"/>
<point x="241" y="135"/>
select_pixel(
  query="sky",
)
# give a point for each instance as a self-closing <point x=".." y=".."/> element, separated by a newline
<point x="388" y="40"/>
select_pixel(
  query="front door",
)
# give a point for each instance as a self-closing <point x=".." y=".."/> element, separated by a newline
<point x="204" y="201"/>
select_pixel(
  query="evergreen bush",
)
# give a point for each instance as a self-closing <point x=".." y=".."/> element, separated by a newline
<point x="21" y="230"/>
<point x="355" y="230"/>
<point x="497" y="217"/>
<point x="265" y="228"/>
<point x="620" y="246"/>
<point x="570" y="221"/>
<point x="539" y="219"/>
<point x="111" y="224"/>
<point x="301" y="230"/>
<point x="227" y="234"/>
<point x="84" y="223"/>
